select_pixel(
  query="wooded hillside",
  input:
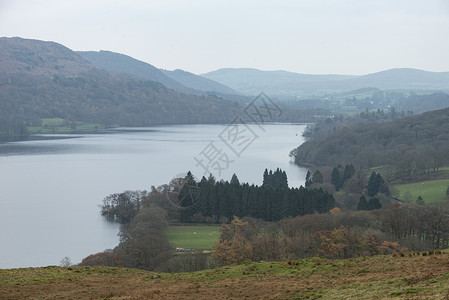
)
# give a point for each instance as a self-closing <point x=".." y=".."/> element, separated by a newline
<point x="412" y="145"/>
<point x="47" y="80"/>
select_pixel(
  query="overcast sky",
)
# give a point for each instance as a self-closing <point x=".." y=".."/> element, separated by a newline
<point x="314" y="36"/>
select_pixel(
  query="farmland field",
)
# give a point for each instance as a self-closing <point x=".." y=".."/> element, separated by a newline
<point x="193" y="237"/>
<point x="430" y="191"/>
<point x="58" y="125"/>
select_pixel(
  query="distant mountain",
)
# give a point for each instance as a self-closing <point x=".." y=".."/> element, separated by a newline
<point x="199" y="83"/>
<point x="411" y="79"/>
<point x="274" y="83"/>
<point x="180" y="81"/>
<point x="120" y="63"/>
<point x="290" y="85"/>
<point x="47" y="80"/>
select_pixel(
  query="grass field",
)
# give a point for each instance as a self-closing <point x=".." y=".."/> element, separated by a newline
<point x="430" y="191"/>
<point x="58" y="125"/>
<point x="378" y="277"/>
<point x="193" y="237"/>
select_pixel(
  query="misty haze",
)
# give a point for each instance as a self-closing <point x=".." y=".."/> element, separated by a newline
<point x="224" y="150"/>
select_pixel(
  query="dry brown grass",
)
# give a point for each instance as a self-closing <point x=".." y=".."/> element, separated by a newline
<point x="366" y="278"/>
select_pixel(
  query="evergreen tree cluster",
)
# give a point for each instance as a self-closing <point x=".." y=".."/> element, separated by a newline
<point x="276" y="179"/>
<point x="272" y="201"/>
<point x="373" y="203"/>
<point x="376" y="184"/>
<point x="317" y="177"/>
<point x="338" y="179"/>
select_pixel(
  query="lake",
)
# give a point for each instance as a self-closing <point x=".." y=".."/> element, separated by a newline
<point x="51" y="185"/>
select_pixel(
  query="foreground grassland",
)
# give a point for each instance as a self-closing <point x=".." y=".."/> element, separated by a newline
<point x="430" y="191"/>
<point x="361" y="278"/>
<point x="193" y="237"/>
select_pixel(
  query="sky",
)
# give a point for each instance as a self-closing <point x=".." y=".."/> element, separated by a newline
<point x="305" y="36"/>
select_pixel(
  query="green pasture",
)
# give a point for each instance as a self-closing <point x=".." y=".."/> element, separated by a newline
<point x="58" y="125"/>
<point x="53" y="122"/>
<point x="430" y="191"/>
<point x="193" y="237"/>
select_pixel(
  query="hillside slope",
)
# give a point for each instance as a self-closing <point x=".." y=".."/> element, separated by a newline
<point x="375" y="277"/>
<point x="413" y="145"/>
<point x="120" y="63"/>
<point x="199" y="83"/>
<point x="47" y="80"/>
<point x="34" y="57"/>
<point x="180" y="81"/>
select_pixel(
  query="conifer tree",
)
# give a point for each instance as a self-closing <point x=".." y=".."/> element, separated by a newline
<point x="308" y="179"/>
<point x="284" y="181"/>
<point x="363" y="204"/>
<point x="335" y="178"/>
<point x="348" y="173"/>
<point x="374" y="203"/>
<point x="317" y="177"/>
<point x="265" y="177"/>
<point x="375" y="182"/>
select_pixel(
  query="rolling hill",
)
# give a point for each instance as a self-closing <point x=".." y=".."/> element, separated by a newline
<point x="274" y="83"/>
<point x="291" y="85"/>
<point x="404" y="78"/>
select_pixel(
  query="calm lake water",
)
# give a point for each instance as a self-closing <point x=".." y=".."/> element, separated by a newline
<point x="51" y="186"/>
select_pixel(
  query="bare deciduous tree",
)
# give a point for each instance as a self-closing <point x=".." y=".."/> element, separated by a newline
<point x="65" y="262"/>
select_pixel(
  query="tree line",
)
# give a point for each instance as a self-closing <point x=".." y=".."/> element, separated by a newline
<point x="329" y="125"/>
<point x="336" y="234"/>
<point x="271" y="201"/>
<point x="212" y="201"/>
<point x="358" y="192"/>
